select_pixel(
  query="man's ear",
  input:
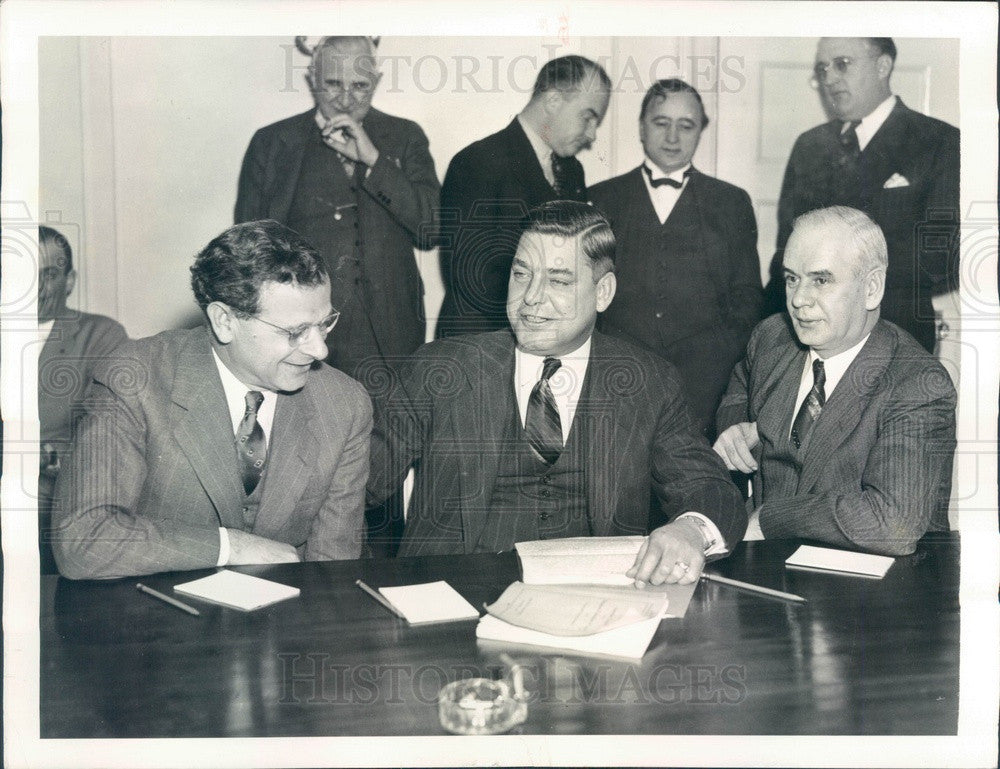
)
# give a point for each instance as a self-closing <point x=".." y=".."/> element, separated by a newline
<point x="70" y="281"/>
<point x="884" y="66"/>
<point x="605" y="290"/>
<point x="223" y="321"/>
<point x="874" y="289"/>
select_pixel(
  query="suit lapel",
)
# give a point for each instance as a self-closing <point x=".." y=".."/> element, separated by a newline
<point x="492" y="386"/>
<point x="290" y="454"/>
<point x="202" y="428"/>
<point x="846" y="405"/>
<point x="525" y="166"/>
<point x="607" y="428"/>
<point x="287" y="164"/>
<point x="775" y="399"/>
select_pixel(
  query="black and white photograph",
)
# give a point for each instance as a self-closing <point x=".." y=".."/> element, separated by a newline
<point x="543" y="384"/>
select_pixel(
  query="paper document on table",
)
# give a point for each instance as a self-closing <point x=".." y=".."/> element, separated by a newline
<point x="237" y="591"/>
<point x="429" y="602"/>
<point x="574" y="610"/>
<point x="627" y="641"/>
<point x="590" y="560"/>
<point x="847" y="561"/>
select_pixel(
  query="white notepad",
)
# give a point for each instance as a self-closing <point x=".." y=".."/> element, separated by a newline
<point x="847" y="561"/>
<point x="236" y="590"/>
<point x="429" y="602"/>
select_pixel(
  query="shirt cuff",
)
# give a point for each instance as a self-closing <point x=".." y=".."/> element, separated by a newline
<point x="223" y="547"/>
<point x="754" y="532"/>
<point x="714" y="543"/>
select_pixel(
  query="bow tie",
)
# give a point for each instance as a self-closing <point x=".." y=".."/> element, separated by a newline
<point x="666" y="180"/>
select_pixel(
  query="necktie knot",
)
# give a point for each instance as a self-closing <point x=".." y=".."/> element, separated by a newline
<point x="549" y="367"/>
<point x="665" y="180"/>
<point x="253" y="399"/>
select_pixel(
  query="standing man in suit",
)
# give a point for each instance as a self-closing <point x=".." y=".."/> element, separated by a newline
<point x="688" y="272"/>
<point x="359" y="185"/>
<point x="846" y="423"/>
<point x="896" y="165"/>
<point x="229" y="444"/>
<point x="553" y="430"/>
<point x="73" y="343"/>
<point x="494" y="182"/>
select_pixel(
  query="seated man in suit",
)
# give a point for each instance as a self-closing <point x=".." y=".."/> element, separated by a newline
<point x="73" y="342"/>
<point x="494" y="182"/>
<point x="688" y="273"/>
<point x="222" y="445"/>
<point x="553" y="430"/>
<point x="846" y="423"/>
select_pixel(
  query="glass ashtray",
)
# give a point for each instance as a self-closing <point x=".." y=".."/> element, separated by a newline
<point x="480" y="706"/>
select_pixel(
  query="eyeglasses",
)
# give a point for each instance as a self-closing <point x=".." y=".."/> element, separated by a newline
<point x="840" y="64"/>
<point x="357" y="90"/>
<point x="298" y="335"/>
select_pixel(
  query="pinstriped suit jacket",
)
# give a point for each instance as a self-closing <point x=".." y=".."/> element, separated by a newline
<point x="875" y="473"/>
<point x="153" y="474"/>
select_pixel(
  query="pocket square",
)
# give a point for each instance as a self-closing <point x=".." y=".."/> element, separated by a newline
<point x="896" y="180"/>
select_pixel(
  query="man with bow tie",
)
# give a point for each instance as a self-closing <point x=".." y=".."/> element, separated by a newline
<point x="359" y="185"/>
<point x="846" y="424"/>
<point x="897" y="165"/>
<point x="688" y="273"/>
<point x="553" y="430"/>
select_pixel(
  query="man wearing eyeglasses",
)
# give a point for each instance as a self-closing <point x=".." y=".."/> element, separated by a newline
<point x="359" y="185"/>
<point x="229" y="444"/>
<point x="897" y="165"/>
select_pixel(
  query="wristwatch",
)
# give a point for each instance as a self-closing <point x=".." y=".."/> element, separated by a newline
<point x="706" y="534"/>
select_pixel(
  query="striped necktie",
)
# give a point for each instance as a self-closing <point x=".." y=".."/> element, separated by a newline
<point x="811" y="406"/>
<point x="542" y="426"/>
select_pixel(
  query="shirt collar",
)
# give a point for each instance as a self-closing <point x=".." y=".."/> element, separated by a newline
<point x="874" y="120"/>
<point x="542" y="150"/>
<point x="529" y="366"/>
<point x="835" y="366"/>
<point x="656" y="172"/>
<point x="236" y="391"/>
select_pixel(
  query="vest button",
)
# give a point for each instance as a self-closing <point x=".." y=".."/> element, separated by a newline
<point x="546" y="480"/>
<point x="246" y="510"/>
<point x="659" y="315"/>
<point x="543" y="517"/>
<point x="546" y="492"/>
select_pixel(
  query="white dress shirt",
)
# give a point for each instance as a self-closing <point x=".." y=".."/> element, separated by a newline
<point x="834" y="367"/>
<point x="664" y="197"/>
<point x="542" y="151"/>
<point x="236" y="393"/>
<point x="567" y="385"/>
<point x="873" y="121"/>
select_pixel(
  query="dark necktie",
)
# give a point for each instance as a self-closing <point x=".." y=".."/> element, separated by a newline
<point x="811" y="406"/>
<point x="666" y="180"/>
<point x="250" y="446"/>
<point x="849" y="139"/>
<point x="541" y="424"/>
<point x="562" y="184"/>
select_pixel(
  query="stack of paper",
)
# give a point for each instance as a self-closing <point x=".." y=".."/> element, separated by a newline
<point x="236" y="590"/>
<point x="847" y="561"/>
<point x="576" y="596"/>
<point x="429" y="602"/>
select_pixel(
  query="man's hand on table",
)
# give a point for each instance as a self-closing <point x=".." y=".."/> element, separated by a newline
<point x="247" y="548"/>
<point x="671" y="553"/>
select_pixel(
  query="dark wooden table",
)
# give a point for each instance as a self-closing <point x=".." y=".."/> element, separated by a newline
<point x="863" y="656"/>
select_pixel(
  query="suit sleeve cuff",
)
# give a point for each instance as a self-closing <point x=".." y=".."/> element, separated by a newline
<point x="223" y="547"/>
<point x="714" y="542"/>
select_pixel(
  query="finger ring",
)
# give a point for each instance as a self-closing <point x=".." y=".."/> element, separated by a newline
<point x="685" y="567"/>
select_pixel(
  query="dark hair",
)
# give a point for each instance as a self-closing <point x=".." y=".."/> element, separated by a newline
<point x="571" y="219"/>
<point x="49" y="235"/>
<point x="884" y="46"/>
<point x="661" y="89"/>
<point x="567" y="73"/>
<point x="232" y="268"/>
